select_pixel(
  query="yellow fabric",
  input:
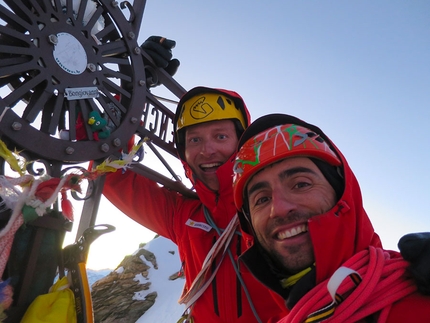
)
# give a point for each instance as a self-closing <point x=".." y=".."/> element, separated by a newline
<point x="290" y="281"/>
<point x="56" y="306"/>
<point x="208" y="107"/>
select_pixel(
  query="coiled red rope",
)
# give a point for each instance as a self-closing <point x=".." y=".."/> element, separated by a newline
<point x="383" y="283"/>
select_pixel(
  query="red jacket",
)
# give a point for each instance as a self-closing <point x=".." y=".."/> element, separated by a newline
<point x="340" y="236"/>
<point x="170" y="214"/>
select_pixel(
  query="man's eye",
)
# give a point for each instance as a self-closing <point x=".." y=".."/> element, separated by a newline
<point x="193" y="140"/>
<point x="302" y="185"/>
<point x="261" y="200"/>
<point x="222" y="137"/>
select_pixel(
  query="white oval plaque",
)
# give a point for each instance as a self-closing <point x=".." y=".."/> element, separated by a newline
<point x="69" y="54"/>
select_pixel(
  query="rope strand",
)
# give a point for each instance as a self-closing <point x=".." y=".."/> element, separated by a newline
<point x="383" y="283"/>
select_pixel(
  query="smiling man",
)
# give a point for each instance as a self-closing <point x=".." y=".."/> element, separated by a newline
<point x="290" y="192"/>
<point x="301" y="211"/>
<point x="208" y="123"/>
<point x="207" y="147"/>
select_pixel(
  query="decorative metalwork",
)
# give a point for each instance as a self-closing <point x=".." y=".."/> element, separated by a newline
<point x="74" y="88"/>
<point x="61" y="60"/>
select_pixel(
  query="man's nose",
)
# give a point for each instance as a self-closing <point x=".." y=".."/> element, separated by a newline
<point x="208" y="148"/>
<point x="282" y="204"/>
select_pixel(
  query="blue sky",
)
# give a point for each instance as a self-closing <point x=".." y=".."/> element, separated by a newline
<point x="358" y="69"/>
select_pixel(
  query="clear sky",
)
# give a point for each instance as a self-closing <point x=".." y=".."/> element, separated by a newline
<point x="358" y="69"/>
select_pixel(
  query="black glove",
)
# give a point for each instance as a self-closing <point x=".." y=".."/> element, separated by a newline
<point x="415" y="248"/>
<point x="160" y="50"/>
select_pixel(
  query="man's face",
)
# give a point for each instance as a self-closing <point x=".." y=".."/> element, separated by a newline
<point x="282" y="197"/>
<point x="207" y="146"/>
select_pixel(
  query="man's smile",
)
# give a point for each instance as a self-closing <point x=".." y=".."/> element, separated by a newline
<point x="292" y="232"/>
<point x="209" y="167"/>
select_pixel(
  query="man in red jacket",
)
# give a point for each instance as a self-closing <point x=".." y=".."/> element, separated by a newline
<point x="301" y="210"/>
<point x="207" y="125"/>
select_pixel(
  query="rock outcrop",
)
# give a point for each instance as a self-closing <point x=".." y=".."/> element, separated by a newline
<point x="117" y="296"/>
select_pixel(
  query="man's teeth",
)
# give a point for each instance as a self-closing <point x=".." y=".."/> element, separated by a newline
<point x="205" y="166"/>
<point x="292" y="232"/>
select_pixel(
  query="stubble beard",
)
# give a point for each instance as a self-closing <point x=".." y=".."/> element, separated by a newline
<point x="299" y="256"/>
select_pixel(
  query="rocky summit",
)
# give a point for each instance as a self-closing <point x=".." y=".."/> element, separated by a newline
<point x="126" y="293"/>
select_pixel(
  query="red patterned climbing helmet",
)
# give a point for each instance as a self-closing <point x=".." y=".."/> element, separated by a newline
<point x="268" y="140"/>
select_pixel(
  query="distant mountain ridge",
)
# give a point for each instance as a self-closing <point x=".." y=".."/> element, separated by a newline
<point x="94" y="275"/>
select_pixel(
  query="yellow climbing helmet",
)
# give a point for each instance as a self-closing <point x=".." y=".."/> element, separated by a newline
<point x="206" y="107"/>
